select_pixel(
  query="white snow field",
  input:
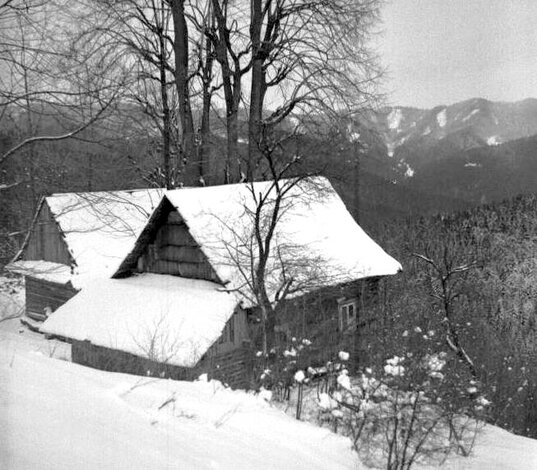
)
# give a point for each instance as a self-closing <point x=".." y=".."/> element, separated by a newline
<point x="59" y="415"/>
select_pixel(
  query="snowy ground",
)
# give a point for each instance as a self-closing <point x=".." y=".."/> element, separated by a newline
<point x="496" y="449"/>
<point x="11" y="297"/>
<point x="58" y="415"/>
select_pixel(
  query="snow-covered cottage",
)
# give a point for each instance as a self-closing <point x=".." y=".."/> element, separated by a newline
<point x="181" y="303"/>
<point x="75" y="237"/>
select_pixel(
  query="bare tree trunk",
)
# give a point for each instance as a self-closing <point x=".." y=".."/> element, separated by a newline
<point x="256" y="91"/>
<point x="181" y="49"/>
<point x="205" y="128"/>
<point x="231" y="79"/>
<point x="166" y="116"/>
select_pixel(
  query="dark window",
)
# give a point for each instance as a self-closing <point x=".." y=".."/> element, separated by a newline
<point x="347" y="314"/>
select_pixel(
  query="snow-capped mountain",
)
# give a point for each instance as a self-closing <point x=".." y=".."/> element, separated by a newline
<point x="467" y="124"/>
<point x="467" y="153"/>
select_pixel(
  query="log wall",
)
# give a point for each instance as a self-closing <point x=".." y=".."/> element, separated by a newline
<point x="41" y="294"/>
<point x="316" y="316"/>
<point x="174" y="251"/>
<point x="232" y="368"/>
<point x="46" y="241"/>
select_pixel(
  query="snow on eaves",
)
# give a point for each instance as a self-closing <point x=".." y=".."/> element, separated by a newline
<point x="167" y="318"/>
<point x="45" y="270"/>
<point x="316" y="237"/>
<point x="100" y="228"/>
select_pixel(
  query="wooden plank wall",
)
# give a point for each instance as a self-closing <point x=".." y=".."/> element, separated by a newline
<point x="238" y="322"/>
<point x="46" y="242"/>
<point x="175" y="252"/>
<point x="233" y="368"/>
<point x="41" y="294"/>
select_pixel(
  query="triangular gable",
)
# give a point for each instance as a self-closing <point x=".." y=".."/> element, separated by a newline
<point x="148" y="240"/>
<point x="30" y="249"/>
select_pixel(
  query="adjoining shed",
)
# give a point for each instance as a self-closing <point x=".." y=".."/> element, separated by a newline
<point x="201" y="238"/>
<point x="156" y="324"/>
<point x="75" y="237"/>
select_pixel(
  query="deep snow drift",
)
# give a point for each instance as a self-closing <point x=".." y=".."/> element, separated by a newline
<point x="59" y="415"/>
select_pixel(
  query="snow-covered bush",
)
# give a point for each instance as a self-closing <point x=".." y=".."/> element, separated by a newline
<point x="411" y="410"/>
<point x="283" y="369"/>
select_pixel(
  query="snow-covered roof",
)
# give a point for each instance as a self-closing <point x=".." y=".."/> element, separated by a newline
<point x="166" y="318"/>
<point x="317" y="238"/>
<point x="100" y="228"/>
<point x="46" y="270"/>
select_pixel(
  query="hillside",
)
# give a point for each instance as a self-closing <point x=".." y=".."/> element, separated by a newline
<point x="492" y="295"/>
<point x="141" y="423"/>
<point x="450" y="157"/>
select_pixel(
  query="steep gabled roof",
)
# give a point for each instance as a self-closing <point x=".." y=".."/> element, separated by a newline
<point x="98" y="228"/>
<point x="316" y="237"/>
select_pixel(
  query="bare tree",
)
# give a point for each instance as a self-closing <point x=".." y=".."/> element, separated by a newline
<point x="309" y="56"/>
<point x="444" y="289"/>
<point x="45" y="76"/>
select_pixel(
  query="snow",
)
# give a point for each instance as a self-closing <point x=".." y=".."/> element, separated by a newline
<point x="58" y="415"/>
<point x="494" y="140"/>
<point x="46" y="270"/>
<point x="472" y="165"/>
<point x="344" y="381"/>
<point x="498" y="449"/>
<point x="11" y="297"/>
<point x="316" y="236"/>
<point x="495" y="448"/>
<point x="343" y="355"/>
<point x="166" y="318"/>
<point x="427" y="131"/>
<point x="100" y="228"/>
<point x="395" y="118"/>
<point x="409" y="171"/>
<point x="473" y="113"/>
<point x="299" y="376"/>
<point x="441" y="118"/>
<point x="393" y="367"/>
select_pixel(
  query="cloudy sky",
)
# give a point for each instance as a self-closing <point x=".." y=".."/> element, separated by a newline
<point x="444" y="51"/>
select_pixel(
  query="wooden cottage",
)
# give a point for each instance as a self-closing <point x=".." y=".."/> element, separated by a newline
<point x="199" y="243"/>
<point x="75" y="237"/>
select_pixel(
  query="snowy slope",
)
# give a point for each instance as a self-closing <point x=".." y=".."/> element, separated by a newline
<point x="58" y="415"/>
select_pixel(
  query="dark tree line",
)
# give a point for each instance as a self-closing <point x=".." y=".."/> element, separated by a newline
<point x="473" y="285"/>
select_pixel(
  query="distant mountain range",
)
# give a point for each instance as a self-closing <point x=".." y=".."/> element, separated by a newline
<point x="471" y="152"/>
<point x="469" y="123"/>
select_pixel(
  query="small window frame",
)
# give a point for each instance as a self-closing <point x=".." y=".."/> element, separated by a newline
<point x="347" y="313"/>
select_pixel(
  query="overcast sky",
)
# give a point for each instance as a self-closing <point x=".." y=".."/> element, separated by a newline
<point x="444" y="51"/>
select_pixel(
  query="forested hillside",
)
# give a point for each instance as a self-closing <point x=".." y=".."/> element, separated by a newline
<point x="486" y="259"/>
